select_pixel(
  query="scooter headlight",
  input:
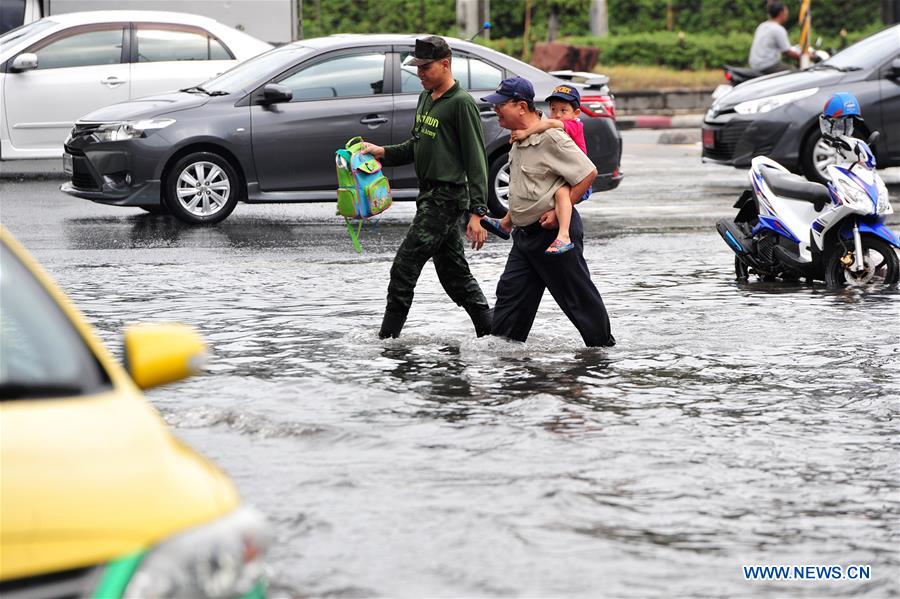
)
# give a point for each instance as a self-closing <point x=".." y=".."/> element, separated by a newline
<point x="130" y="129"/>
<point x="855" y="197"/>
<point x="222" y="559"/>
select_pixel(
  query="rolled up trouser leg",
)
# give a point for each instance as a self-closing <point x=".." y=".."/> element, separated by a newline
<point x="391" y="325"/>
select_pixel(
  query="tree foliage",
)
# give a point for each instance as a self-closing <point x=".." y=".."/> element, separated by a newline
<point x="715" y="31"/>
<point x="324" y="17"/>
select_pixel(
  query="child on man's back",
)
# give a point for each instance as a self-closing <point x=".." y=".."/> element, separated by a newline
<point x="565" y="108"/>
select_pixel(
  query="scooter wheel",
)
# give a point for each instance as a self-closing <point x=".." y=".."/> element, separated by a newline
<point x="881" y="267"/>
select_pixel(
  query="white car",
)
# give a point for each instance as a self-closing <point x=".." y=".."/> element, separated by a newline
<point x="54" y="70"/>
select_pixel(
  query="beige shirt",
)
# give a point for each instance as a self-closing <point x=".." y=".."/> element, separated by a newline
<point x="538" y="166"/>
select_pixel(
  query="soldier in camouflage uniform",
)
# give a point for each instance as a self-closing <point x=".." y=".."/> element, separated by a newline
<point x="447" y="146"/>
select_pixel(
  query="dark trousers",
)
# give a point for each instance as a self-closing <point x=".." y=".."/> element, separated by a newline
<point x="435" y="234"/>
<point x="529" y="271"/>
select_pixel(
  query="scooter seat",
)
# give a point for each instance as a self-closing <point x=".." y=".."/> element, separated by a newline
<point x="796" y="187"/>
<point x="743" y="72"/>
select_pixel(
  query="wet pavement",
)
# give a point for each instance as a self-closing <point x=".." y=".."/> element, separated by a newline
<point x="732" y="424"/>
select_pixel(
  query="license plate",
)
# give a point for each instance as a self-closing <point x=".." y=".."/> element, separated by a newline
<point x="709" y="138"/>
<point x="67" y="164"/>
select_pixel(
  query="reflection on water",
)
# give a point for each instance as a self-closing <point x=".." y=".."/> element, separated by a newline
<point x="732" y="424"/>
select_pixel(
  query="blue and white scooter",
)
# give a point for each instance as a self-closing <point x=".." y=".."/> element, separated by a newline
<point x="788" y="227"/>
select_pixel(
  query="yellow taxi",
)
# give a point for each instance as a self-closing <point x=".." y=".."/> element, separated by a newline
<point x="97" y="497"/>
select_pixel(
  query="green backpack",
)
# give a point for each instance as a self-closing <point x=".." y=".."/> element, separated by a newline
<point x="363" y="191"/>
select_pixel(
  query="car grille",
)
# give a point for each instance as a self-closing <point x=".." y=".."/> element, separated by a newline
<point x="68" y="584"/>
<point x="727" y="139"/>
<point x="81" y="172"/>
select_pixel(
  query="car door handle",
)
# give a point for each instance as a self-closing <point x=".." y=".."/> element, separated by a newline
<point x="113" y="82"/>
<point x="373" y="119"/>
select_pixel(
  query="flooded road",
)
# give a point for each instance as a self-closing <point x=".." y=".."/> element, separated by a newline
<point x="733" y="424"/>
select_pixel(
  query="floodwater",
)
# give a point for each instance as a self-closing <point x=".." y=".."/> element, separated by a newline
<point x="733" y="424"/>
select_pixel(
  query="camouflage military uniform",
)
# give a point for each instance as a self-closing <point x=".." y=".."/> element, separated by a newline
<point x="435" y="233"/>
<point x="447" y="146"/>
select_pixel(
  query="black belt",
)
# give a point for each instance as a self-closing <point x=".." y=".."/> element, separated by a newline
<point x="533" y="228"/>
<point x="425" y="185"/>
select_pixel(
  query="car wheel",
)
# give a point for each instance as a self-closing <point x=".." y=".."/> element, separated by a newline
<point x="202" y="188"/>
<point x="498" y="186"/>
<point x="816" y="156"/>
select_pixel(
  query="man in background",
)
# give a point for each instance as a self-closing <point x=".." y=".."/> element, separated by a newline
<point x="771" y="43"/>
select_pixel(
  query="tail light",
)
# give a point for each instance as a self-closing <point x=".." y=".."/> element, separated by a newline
<point x="727" y="75"/>
<point x="599" y="106"/>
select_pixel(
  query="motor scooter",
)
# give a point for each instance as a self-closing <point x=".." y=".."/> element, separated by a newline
<point x="787" y="227"/>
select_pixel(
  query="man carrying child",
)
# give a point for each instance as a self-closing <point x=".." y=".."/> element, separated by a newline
<point x="565" y="108"/>
<point x="542" y="164"/>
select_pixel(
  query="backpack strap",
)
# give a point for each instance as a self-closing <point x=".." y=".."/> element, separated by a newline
<point x="354" y="235"/>
<point x="354" y="144"/>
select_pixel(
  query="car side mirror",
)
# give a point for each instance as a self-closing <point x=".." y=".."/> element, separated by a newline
<point x="274" y="93"/>
<point x="895" y="69"/>
<point x="873" y="137"/>
<point x="157" y="354"/>
<point x="25" y="62"/>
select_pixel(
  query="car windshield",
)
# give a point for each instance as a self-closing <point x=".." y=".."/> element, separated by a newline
<point x="41" y="352"/>
<point x="25" y="32"/>
<point x="247" y="74"/>
<point x="869" y="52"/>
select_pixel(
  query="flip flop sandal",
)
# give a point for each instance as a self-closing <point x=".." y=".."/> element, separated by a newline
<point x="559" y="247"/>
<point x="493" y="225"/>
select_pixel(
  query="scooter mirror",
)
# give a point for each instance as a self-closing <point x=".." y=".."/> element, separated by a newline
<point x="873" y="138"/>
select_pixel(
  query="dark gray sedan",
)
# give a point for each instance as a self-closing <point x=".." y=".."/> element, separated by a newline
<point x="778" y="115"/>
<point x="267" y="130"/>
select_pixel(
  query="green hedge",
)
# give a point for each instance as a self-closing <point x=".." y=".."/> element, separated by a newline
<point x="692" y="51"/>
<point x="324" y="17"/>
<point x="828" y="16"/>
<point x="692" y="16"/>
<point x="716" y="31"/>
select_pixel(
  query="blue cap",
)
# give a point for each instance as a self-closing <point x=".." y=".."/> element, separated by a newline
<point x="568" y="93"/>
<point x="841" y="104"/>
<point x="514" y="88"/>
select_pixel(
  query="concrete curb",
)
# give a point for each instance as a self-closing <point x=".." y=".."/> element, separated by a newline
<point x="653" y="121"/>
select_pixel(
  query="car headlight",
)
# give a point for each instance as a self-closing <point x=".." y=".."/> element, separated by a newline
<point x="770" y="103"/>
<point x="130" y="129"/>
<point x="221" y="559"/>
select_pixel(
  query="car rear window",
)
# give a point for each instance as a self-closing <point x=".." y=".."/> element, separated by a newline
<point x="471" y="72"/>
<point x="41" y="352"/>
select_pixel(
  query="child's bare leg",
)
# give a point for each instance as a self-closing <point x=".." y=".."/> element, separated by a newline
<point x="506" y="222"/>
<point x="563" y="212"/>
